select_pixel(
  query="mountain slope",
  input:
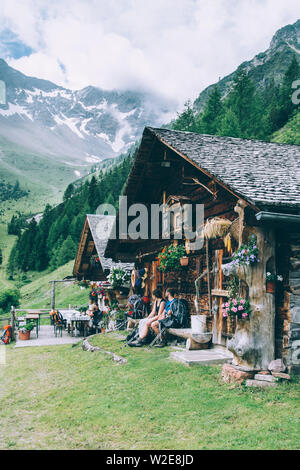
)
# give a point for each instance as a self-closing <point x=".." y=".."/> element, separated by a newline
<point x="266" y="66"/>
<point x="82" y="126"/>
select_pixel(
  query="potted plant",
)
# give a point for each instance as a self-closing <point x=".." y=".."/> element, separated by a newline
<point x="271" y="282"/>
<point x="24" y="331"/>
<point x="119" y="278"/>
<point x="184" y="261"/>
<point x="169" y="258"/>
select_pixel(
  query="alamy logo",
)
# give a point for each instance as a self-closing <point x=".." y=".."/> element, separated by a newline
<point x="296" y="94"/>
<point x="141" y="222"/>
<point x="2" y="92"/>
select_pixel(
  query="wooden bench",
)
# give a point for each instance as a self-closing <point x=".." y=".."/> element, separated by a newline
<point x="193" y="340"/>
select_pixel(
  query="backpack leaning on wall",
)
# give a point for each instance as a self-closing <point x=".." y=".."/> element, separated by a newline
<point x="6" y="335"/>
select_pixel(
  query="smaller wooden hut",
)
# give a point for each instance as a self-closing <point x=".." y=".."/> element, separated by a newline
<point x="90" y="262"/>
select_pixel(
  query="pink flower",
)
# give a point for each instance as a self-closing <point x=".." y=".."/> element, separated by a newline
<point x="225" y="314"/>
<point x="234" y="309"/>
<point x="242" y="301"/>
<point x="223" y="305"/>
<point x="234" y="302"/>
<point x="227" y="304"/>
<point x="241" y="307"/>
<point x="245" y="315"/>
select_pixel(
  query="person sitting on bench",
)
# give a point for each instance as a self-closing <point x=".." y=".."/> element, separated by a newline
<point x="155" y="315"/>
<point x="155" y="326"/>
<point x="170" y="295"/>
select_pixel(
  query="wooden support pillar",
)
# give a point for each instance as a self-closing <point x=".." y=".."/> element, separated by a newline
<point x="253" y="344"/>
<point x="53" y="295"/>
<point x="13" y="323"/>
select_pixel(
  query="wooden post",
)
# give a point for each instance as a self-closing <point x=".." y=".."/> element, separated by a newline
<point x="13" y="323"/>
<point x="53" y="295"/>
<point x="208" y="277"/>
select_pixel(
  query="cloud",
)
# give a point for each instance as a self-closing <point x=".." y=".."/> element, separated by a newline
<point x="172" y="47"/>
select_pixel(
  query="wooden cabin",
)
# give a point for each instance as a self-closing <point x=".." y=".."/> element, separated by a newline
<point x="254" y="184"/>
<point x="90" y="263"/>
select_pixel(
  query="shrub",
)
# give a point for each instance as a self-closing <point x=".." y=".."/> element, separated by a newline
<point x="8" y="298"/>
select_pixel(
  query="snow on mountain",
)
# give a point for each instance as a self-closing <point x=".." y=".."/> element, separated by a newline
<point x="81" y="126"/>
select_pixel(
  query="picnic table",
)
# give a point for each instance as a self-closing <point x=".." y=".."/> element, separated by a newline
<point x="76" y="320"/>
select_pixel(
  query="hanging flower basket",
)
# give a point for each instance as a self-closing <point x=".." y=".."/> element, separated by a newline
<point x="118" y="278"/>
<point x="169" y="258"/>
<point x="236" y="307"/>
<point x="247" y="254"/>
<point x="95" y="261"/>
<point x="184" y="261"/>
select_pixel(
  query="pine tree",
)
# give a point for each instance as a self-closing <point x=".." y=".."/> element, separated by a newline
<point x="286" y="105"/>
<point x="186" y="120"/>
<point x="68" y="192"/>
<point x="93" y="195"/>
<point x="241" y="100"/>
<point x="67" y="251"/>
<point x="212" y="112"/>
<point x="229" y="125"/>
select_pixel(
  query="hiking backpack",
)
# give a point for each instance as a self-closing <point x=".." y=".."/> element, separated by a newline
<point x="179" y="316"/>
<point x="6" y="335"/>
<point x="138" y="307"/>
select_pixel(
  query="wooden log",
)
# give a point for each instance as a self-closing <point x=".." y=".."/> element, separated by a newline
<point x="86" y="346"/>
<point x="192" y="345"/>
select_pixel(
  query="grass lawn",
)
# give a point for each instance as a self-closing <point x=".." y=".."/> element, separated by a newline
<point x="65" y="398"/>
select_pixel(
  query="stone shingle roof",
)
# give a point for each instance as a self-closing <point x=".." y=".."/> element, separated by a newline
<point x="265" y="174"/>
<point x="101" y="226"/>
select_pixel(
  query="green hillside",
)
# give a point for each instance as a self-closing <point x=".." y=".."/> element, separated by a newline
<point x="290" y="133"/>
<point x="37" y="294"/>
<point x="6" y="244"/>
<point x="42" y="176"/>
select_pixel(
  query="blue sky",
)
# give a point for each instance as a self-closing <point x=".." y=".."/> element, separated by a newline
<point x="12" y="46"/>
<point x="172" y="47"/>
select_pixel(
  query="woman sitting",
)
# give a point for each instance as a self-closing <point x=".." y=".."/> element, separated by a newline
<point x="155" y="315"/>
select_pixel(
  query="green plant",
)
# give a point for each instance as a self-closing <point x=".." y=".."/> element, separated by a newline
<point x="28" y="327"/>
<point x="118" y="277"/>
<point x="8" y="298"/>
<point x="233" y="287"/>
<point x="274" y="277"/>
<point x="169" y="258"/>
